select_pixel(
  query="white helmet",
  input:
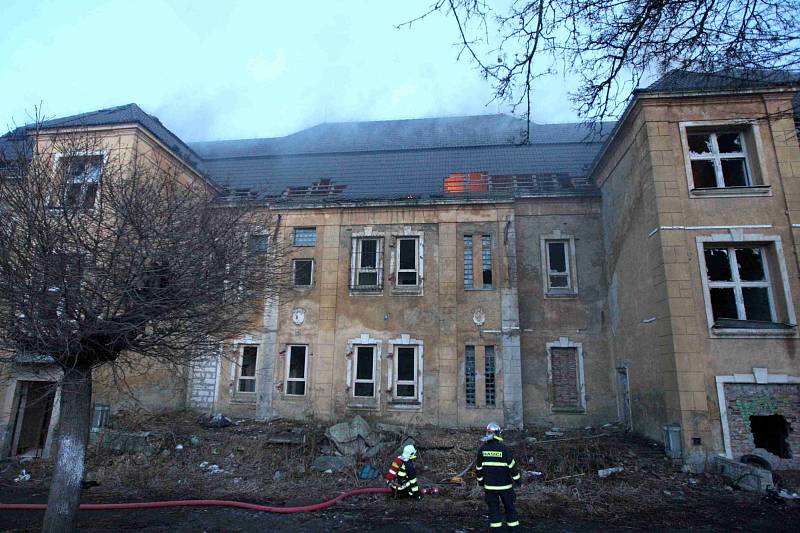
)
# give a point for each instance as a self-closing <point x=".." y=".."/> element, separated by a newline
<point x="493" y="429"/>
<point x="409" y="452"/>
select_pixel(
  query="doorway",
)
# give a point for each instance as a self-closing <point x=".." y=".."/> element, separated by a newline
<point x="624" y="398"/>
<point x="34" y="408"/>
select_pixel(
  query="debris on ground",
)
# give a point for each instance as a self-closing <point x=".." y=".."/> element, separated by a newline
<point x="23" y="476"/>
<point x="216" y="421"/>
<point x="605" y="472"/>
<point x="334" y="463"/>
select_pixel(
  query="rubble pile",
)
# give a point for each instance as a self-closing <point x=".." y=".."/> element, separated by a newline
<point x="355" y="440"/>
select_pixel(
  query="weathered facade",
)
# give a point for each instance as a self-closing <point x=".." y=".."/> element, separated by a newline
<point x="444" y="273"/>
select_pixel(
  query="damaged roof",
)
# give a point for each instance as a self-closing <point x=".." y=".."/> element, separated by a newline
<point x="407" y="159"/>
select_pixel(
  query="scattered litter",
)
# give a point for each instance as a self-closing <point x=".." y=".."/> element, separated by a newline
<point x="278" y="476"/>
<point x="215" y="469"/>
<point x="783" y="493"/>
<point x="214" y="422"/>
<point x="605" y="472"/>
<point x="179" y="446"/>
<point x="204" y="464"/>
<point x="368" y="472"/>
<point x="195" y="440"/>
<point x="530" y="440"/>
<point x="693" y="481"/>
<point x="533" y="473"/>
<point x="23" y="476"/>
<point x="328" y="471"/>
<point x="333" y="463"/>
<point x="607" y="425"/>
<point x="554" y="433"/>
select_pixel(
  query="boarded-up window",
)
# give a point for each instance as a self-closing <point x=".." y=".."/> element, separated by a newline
<point x="565" y="378"/>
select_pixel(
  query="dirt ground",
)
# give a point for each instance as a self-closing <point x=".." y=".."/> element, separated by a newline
<point x="561" y="489"/>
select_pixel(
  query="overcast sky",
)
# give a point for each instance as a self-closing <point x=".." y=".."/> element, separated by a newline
<point x="237" y="69"/>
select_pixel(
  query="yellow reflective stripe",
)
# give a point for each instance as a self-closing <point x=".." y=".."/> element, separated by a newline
<point x="496" y="524"/>
<point x="512" y="463"/>
<point x="515" y="477"/>
<point x="513" y="524"/>
<point x="494" y="463"/>
<point x="479" y="467"/>
<point x="401" y="473"/>
<point x="497" y="487"/>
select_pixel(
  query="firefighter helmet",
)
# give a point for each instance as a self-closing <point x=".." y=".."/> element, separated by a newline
<point x="409" y="452"/>
<point x="493" y="429"/>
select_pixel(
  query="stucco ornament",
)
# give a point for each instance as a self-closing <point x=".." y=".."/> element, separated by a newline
<point x="299" y="315"/>
<point x="479" y="317"/>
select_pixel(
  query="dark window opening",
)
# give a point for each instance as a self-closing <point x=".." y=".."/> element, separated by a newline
<point x="771" y="433"/>
<point x="247" y="374"/>
<point x="296" y="379"/>
<point x="365" y="372"/>
<point x="302" y="272"/>
<point x="406" y="372"/>
<point x="469" y="374"/>
<point x="407" y="273"/>
<point x="491" y="389"/>
<point x="486" y="251"/>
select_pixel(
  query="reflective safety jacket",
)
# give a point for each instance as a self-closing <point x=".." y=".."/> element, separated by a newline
<point x="495" y="466"/>
<point x="403" y="476"/>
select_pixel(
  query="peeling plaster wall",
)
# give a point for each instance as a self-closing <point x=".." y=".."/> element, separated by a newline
<point x="580" y="319"/>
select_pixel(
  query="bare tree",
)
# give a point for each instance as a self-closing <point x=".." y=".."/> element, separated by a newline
<point x="613" y="45"/>
<point x="106" y="256"/>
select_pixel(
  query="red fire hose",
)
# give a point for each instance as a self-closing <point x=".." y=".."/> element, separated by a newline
<point x="207" y="503"/>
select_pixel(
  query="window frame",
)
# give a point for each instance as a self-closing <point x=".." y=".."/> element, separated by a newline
<point x="751" y="148"/>
<point x="400" y="270"/>
<point x="737" y="284"/>
<point x="375" y="381"/>
<point x="396" y="287"/>
<point x="571" y="291"/>
<point x="470" y="375"/>
<point x="288" y="379"/>
<point x="486" y="374"/>
<point x="294" y="273"/>
<point x="240" y="365"/>
<point x="61" y="172"/>
<point x="774" y="261"/>
<point x="304" y="228"/>
<point x="397" y="381"/>
<point x="355" y="264"/>
<point x="405" y="402"/>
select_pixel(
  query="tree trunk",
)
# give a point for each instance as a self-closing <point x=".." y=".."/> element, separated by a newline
<point x="73" y="435"/>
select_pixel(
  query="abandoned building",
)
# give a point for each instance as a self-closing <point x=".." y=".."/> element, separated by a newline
<point x="447" y="273"/>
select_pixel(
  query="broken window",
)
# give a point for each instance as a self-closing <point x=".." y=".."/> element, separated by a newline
<point x="486" y="255"/>
<point x="771" y="433"/>
<point x="258" y="244"/>
<point x="247" y="369"/>
<point x="303" y="272"/>
<point x="565" y="378"/>
<point x="558" y="263"/>
<point x="738" y="283"/>
<point x="407" y="261"/>
<point x="367" y="264"/>
<point x="305" y="236"/>
<point x="489" y="379"/>
<point x="469" y="374"/>
<point x="364" y="372"/>
<point x="81" y="180"/>
<point x="469" y="275"/>
<point x="406" y="364"/>
<point x="718" y="159"/>
<point x="296" y="370"/>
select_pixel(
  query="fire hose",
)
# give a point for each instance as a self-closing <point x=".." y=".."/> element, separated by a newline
<point x="209" y="503"/>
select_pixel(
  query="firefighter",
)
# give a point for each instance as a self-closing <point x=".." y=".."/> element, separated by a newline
<point x="497" y="473"/>
<point x="402" y="478"/>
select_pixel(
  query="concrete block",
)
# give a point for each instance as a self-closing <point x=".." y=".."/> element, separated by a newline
<point x="747" y="477"/>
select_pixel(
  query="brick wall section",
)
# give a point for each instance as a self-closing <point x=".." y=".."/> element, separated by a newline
<point x="745" y="400"/>
<point x="565" y="378"/>
<point x="202" y="379"/>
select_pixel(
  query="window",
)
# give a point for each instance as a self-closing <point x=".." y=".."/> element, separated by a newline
<point x="367" y="264"/>
<point x="486" y="248"/>
<point x="81" y="180"/>
<point x="738" y="283"/>
<point x="491" y="391"/>
<point x="258" y="244"/>
<point x="364" y="372"/>
<point x="303" y="272"/>
<point x="305" y="236"/>
<point x="559" y="265"/>
<point x="407" y="261"/>
<point x="296" y="370"/>
<point x="564" y="378"/>
<point x="405" y="386"/>
<point x="247" y="369"/>
<point x="469" y="374"/>
<point x="468" y="263"/>
<point x="718" y="159"/>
